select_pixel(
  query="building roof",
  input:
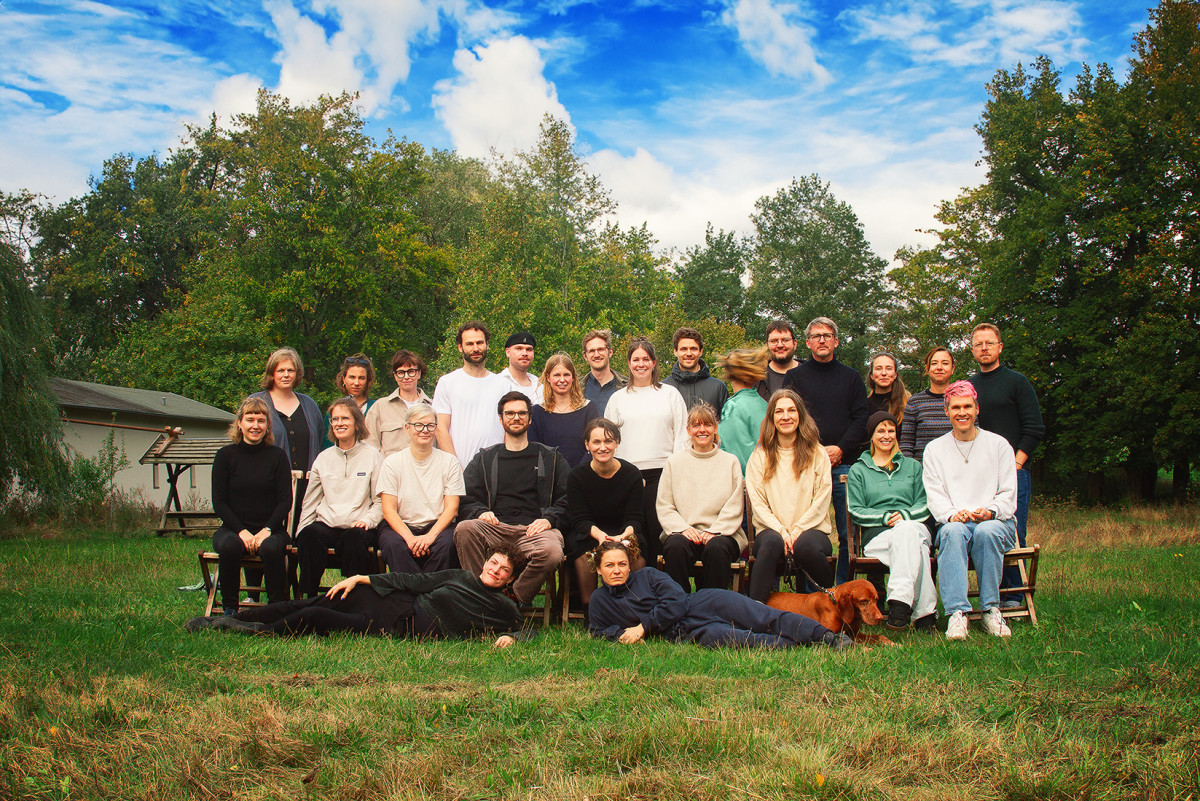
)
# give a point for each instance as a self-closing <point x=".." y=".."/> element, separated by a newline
<point x="86" y="395"/>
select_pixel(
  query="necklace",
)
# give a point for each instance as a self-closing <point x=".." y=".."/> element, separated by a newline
<point x="966" y="456"/>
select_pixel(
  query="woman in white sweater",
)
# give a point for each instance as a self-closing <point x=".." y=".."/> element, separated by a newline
<point x="700" y="506"/>
<point x="653" y="423"/>
<point x="788" y="482"/>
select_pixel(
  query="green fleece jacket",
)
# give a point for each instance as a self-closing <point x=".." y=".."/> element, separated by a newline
<point x="872" y="493"/>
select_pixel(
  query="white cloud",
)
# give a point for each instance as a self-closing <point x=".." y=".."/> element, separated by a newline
<point x="498" y="98"/>
<point x="984" y="34"/>
<point x="642" y="182"/>
<point x="773" y="34"/>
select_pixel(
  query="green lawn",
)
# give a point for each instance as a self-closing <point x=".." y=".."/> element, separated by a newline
<point x="103" y="695"/>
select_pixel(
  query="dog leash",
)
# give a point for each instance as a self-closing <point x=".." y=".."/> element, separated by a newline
<point x="793" y="567"/>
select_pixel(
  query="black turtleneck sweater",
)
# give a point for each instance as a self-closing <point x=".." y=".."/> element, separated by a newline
<point x="252" y="487"/>
<point x="836" y="397"/>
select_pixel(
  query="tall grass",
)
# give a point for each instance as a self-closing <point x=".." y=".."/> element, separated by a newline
<point x="102" y="695"/>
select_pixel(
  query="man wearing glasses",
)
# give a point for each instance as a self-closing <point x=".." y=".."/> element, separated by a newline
<point x="836" y="398"/>
<point x="385" y="418"/>
<point x="602" y="381"/>
<point x="1008" y="406"/>
<point x="781" y="344"/>
<point x="516" y="493"/>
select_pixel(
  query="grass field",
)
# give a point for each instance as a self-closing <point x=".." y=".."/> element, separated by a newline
<point x="103" y="695"/>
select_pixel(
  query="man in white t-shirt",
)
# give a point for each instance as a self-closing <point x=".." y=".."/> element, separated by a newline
<point x="465" y="400"/>
<point x="419" y="487"/>
<point x="519" y="350"/>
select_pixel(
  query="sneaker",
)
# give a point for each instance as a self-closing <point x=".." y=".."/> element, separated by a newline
<point x="956" y="628"/>
<point x="927" y="623"/>
<point x="993" y="623"/>
<point x="899" y="614"/>
<point x="836" y="640"/>
<point x="1012" y="602"/>
<point x="198" y="623"/>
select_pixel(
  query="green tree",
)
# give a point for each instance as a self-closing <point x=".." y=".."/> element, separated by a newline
<point x="810" y="258"/>
<point x="31" y="456"/>
<point x="322" y="240"/>
<point x="710" y="278"/>
<point x="1082" y="245"/>
<point x="548" y="258"/>
<point x="115" y="256"/>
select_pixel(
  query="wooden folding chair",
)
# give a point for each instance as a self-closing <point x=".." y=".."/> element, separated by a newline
<point x="1025" y="559"/>
<point x="209" y="561"/>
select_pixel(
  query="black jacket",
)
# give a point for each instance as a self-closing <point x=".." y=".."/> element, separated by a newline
<point x="482" y="477"/>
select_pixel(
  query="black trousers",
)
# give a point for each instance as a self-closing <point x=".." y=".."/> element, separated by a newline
<point x="361" y="611"/>
<point x="680" y="553"/>
<point x="231" y="550"/>
<point x="350" y="545"/>
<point x="399" y="558"/>
<point x="650" y="515"/>
<point x="811" y="551"/>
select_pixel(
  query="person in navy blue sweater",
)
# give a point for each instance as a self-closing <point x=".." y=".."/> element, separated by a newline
<point x="649" y="603"/>
<point x="837" y="400"/>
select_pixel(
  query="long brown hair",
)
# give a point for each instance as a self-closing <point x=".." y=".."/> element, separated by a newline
<point x="897" y="400"/>
<point x="808" y="439"/>
<point x="575" y="394"/>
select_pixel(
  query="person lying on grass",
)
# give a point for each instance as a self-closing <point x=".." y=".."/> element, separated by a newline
<point x="648" y="603"/>
<point x="446" y="603"/>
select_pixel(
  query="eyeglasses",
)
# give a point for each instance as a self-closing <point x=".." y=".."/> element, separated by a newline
<point x="404" y="372"/>
<point x="822" y="337"/>
<point x="359" y="362"/>
<point x="991" y="343"/>
<point x="596" y="351"/>
<point x="515" y="415"/>
<point x="423" y="427"/>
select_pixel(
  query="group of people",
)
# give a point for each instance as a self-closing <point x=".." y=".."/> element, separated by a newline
<point x="508" y="468"/>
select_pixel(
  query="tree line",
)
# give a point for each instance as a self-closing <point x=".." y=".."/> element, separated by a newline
<point x="290" y="225"/>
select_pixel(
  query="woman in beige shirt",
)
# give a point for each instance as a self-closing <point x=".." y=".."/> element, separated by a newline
<point x="788" y="482"/>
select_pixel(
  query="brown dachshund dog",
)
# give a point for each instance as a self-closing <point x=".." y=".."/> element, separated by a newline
<point x="853" y="605"/>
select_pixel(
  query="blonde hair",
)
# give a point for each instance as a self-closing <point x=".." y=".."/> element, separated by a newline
<point x="252" y="405"/>
<point x="277" y="358"/>
<point x="575" y="394"/>
<point x="745" y="366"/>
<point x="360" y="422"/>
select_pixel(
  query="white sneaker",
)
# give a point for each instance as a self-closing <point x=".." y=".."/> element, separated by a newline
<point x="993" y="623"/>
<point x="956" y="628"/>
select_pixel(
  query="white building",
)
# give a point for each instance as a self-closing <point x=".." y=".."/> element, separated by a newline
<point x="136" y="417"/>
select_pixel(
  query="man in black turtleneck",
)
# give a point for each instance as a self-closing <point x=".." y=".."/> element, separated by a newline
<point x="836" y="398"/>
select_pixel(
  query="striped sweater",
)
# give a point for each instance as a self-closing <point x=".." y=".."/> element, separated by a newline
<point x="924" y="421"/>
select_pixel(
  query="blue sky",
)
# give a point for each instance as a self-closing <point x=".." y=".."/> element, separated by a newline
<point x="689" y="111"/>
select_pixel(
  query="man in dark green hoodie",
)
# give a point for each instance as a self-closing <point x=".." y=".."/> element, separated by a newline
<point x="690" y="374"/>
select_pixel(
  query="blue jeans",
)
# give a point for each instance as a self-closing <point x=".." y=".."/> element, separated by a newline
<point x="839" y="514"/>
<point x="1012" y="575"/>
<point x="985" y="544"/>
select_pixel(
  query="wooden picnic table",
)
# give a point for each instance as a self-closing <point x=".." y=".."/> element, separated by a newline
<point x="181" y="455"/>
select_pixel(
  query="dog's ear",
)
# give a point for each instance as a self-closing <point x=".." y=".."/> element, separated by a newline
<point x="846" y="607"/>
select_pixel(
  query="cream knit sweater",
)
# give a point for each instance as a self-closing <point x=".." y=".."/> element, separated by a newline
<point x="788" y="503"/>
<point x="701" y="490"/>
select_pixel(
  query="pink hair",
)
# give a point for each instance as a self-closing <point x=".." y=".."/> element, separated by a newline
<point x="961" y="389"/>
